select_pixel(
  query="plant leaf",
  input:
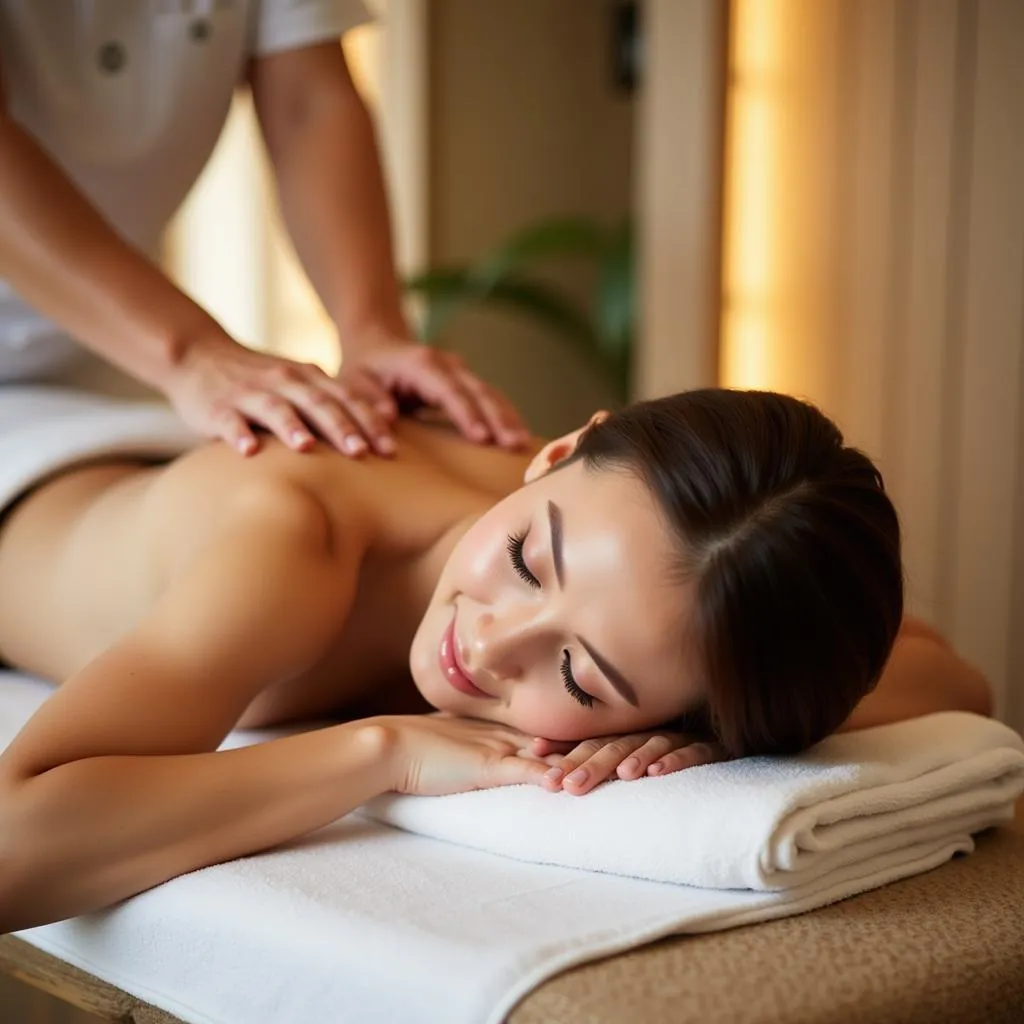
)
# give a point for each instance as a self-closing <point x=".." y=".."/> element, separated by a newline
<point x="548" y="307"/>
<point x="438" y="281"/>
<point x="614" y="297"/>
<point x="574" y="236"/>
<point x="448" y="290"/>
<point x="445" y="291"/>
<point x="452" y="288"/>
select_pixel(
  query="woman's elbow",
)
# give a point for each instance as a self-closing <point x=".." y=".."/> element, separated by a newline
<point x="12" y="865"/>
<point x="965" y="687"/>
<point x="23" y="880"/>
<point x="976" y="693"/>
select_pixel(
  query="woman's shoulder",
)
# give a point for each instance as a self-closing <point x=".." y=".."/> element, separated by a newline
<point x="199" y="492"/>
<point x="212" y="490"/>
<point x="485" y="467"/>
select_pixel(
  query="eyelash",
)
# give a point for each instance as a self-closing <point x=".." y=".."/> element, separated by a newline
<point x="581" y="696"/>
<point x="514" y="546"/>
<point x="515" y="556"/>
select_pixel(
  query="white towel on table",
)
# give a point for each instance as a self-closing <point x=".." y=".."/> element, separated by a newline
<point x="877" y="797"/>
<point x="365" y="923"/>
<point x="46" y="429"/>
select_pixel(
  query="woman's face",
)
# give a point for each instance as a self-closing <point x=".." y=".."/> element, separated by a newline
<point x="555" y="613"/>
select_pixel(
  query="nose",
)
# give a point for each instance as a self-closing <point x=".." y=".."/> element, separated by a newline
<point x="504" y="645"/>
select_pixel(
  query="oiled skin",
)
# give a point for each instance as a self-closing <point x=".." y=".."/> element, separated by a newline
<point x="174" y="603"/>
<point x="85" y="557"/>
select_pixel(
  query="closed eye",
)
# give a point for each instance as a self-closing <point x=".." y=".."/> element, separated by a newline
<point x="514" y="547"/>
<point x="569" y="681"/>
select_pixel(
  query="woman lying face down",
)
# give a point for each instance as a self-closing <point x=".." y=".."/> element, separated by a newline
<point x="716" y="557"/>
<point x="715" y="564"/>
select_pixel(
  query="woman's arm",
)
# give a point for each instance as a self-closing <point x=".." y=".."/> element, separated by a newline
<point x="924" y="674"/>
<point x="115" y="784"/>
<point x="112" y="787"/>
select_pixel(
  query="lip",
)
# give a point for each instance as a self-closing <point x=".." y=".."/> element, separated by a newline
<point x="448" y="658"/>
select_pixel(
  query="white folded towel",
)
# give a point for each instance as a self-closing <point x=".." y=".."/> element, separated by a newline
<point x="878" y="796"/>
<point x="362" y="922"/>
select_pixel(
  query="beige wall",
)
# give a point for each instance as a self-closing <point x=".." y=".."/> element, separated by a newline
<point x="525" y="123"/>
<point x="679" y="143"/>
<point x="890" y="286"/>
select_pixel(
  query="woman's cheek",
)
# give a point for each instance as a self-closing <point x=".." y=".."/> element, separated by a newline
<point x="479" y="559"/>
<point x="551" y="721"/>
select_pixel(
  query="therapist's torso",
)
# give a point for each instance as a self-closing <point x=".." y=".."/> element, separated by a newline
<point x="129" y="99"/>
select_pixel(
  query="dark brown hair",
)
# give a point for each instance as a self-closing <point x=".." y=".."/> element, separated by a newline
<point x="793" y="544"/>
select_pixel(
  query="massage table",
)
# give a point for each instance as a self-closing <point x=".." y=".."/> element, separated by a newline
<point x="944" y="946"/>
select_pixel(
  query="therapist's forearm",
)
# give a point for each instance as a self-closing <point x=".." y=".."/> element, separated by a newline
<point x="63" y="258"/>
<point x="335" y="207"/>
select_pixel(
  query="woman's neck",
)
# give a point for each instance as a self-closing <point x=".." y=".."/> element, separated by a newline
<point x="411" y="511"/>
<point x="407" y="541"/>
<point x="424" y="569"/>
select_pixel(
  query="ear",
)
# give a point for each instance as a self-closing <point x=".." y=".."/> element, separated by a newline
<point x="561" y="448"/>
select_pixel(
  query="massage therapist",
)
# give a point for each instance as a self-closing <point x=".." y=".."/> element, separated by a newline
<point x="109" y="112"/>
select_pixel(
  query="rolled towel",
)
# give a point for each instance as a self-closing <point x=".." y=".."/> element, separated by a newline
<point x="872" y="799"/>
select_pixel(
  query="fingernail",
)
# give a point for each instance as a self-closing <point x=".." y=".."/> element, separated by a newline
<point x="631" y="764"/>
<point x="554" y="774"/>
<point x="354" y="444"/>
<point x="386" y="445"/>
<point x="577" y="777"/>
<point x="301" y="437"/>
<point x="246" y="445"/>
<point x="656" y="769"/>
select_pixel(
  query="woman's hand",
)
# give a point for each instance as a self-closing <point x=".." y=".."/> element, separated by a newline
<point x="383" y="364"/>
<point x="431" y="755"/>
<point x="586" y="765"/>
<point x="222" y="389"/>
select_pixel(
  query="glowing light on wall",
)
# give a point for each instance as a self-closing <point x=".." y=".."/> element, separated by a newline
<point x="751" y="174"/>
<point x="228" y="247"/>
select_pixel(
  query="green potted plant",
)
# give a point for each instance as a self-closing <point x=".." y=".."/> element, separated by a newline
<point x="505" y="277"/>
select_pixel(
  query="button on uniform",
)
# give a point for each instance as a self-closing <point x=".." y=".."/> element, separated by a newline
<point x="129" y="99"/>
<point x="111" y="57"/>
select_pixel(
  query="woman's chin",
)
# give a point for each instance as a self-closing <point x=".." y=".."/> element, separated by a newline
<point x="436" y="692"/>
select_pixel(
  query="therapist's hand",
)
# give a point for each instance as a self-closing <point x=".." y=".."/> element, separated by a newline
<point x="382" y="365"/>
<point x="222" y="389"/>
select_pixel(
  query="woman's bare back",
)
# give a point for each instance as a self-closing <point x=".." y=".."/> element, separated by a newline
<point x="85" y="556"/>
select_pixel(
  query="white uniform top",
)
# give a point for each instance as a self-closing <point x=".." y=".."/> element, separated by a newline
<point x="129" y="99"/>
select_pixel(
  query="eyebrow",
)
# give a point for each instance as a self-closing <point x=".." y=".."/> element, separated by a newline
<point x="555" y="525"/>
<point x="614" y="676"/>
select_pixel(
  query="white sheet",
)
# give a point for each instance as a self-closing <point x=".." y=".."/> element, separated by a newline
<point x="45" y="429"/>
<point x="365" y="923"/>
